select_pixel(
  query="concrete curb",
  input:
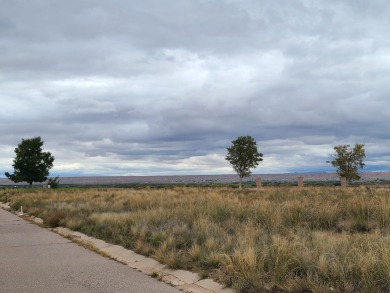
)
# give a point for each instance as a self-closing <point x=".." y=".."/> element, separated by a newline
<point x="183" y="280"/>
<point x="5" y="206"/>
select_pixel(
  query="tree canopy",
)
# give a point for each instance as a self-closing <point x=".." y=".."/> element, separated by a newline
<point x="348" y="161"/>
<point x="243" y="155"/>
<point x="31" y="164"/>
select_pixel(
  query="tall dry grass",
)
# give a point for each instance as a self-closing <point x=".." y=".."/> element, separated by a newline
<point x="317" y="239"/>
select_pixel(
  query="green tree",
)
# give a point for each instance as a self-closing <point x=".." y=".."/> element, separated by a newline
<point x="348" y="161"/>
<point x="31" y="164"/>
<point x="243" y="155"/>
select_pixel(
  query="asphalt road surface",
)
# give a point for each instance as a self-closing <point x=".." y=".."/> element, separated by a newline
<point x="34" y="259"/>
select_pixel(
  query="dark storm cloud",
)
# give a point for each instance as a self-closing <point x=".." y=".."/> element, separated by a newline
<point x="142" y="87"/>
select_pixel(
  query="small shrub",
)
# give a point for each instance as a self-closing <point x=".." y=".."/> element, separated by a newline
<point x="16" y="205"/>
<point x="195" y="252"/>
<point x="156" y="239"/>
<point x="4" y="197"/>
<point x="212" y="261"/>
<point x="54" y="219"/>
<point x="53" y="182"/>
<point x="154" y="275"/>
<point x="175" y="260"/>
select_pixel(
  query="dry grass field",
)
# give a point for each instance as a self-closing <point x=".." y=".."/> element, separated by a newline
<point x="314" y="239"/>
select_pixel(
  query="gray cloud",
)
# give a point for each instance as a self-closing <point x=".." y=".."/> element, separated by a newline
<point x="140" y="87"/>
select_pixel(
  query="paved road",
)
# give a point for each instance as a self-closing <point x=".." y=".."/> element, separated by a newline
<point x="34" y="259"/>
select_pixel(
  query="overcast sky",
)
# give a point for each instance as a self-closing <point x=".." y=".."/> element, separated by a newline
<point x="125" y="87"/>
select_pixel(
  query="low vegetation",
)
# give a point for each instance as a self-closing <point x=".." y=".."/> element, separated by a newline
<point x="280" y="239"/>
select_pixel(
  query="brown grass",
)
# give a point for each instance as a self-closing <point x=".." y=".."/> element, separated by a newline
<point x="317" y="239"/>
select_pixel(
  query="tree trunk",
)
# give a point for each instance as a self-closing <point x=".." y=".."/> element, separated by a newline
<point x="240" y="186"/>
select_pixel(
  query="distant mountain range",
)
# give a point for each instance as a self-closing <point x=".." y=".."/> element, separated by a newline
<point x="199" y="179"/>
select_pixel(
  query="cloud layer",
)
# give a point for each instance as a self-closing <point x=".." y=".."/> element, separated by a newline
<point x="149" y="88"/>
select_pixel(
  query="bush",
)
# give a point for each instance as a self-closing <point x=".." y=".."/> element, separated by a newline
<point x="16" y="205"/>
<point x="55" y="219"/>
<point x="53" y="182"/>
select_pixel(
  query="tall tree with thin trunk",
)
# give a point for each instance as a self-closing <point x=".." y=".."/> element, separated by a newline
<point x="243" y="155"/>
<point x="31" y="164"/>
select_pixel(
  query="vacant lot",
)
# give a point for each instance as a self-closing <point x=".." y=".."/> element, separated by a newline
<point x="317" y="239"/>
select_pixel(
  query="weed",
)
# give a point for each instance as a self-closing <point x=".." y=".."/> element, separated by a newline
<point x="15" y="205"/>
<point x="54" y="220"/>
<point x="154" y="275"/>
